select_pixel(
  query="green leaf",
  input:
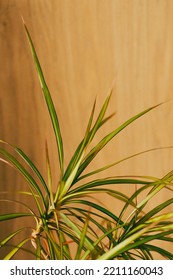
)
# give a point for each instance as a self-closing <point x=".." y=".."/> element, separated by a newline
<point x="53" y="246"/>
<point x="154" y="211"/>
<point x="124" y="245"/>
<point x="99" y="120"/>
<point x="120" y="161"/>
<point x="89" y="135"/>
<point x="91" y="155"/>
<point x="100" y="209"/>
<point x="38" y="249"/>
<point x="156" y="219"/>
<point x="29" y="163"/>
<point x="9" y="237"/>
<point x="11" y="216"/>
<point x="64" y="246"/>
<point x="75" y="158"/>
<point x="82" y="239"/>
<point x="12" y="160"/>
<point x="99" y="239"/>
<point x="49" y="175"/>
<point x="75" y="229"/>
<point x="133" y="197"/>
<point x="108" y="181"/>
<point x="10" y="255"/>
<point x="33" y="167"/>
<point x="158" y="186"/>
<point x="49" y="102"/>
<point x="96" y="221"/>
<point x="113" y="193"/>
<point x="144" y="239"/>
<point x="160" y="251"/>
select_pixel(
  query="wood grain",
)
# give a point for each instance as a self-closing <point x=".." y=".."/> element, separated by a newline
<point x="85" y="47"/>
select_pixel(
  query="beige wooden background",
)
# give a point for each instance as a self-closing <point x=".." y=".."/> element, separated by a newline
<point x="84" y="47"/>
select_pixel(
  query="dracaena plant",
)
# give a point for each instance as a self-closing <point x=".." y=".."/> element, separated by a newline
<point x="70" y="223"/>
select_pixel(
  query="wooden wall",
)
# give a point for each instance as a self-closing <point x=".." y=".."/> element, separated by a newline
<point x="86" y="46"/>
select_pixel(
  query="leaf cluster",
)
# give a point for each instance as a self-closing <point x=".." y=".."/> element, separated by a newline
<point x="70" y="222"/>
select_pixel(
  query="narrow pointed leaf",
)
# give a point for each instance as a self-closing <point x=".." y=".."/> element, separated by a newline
<point x="80" y="148"/>
<point x="89" y="135"/>
<point x="82" y="239"/>
<point x="109" y="181"/>
<point x="120" y="161"/>
<point x="9" y="237"/>
<point x="11" y="216"/>
<point x="49" y="102"/>
<point x="12" y="160"/>
<point x="122" y="246"/>
<point x="101" y="209"/>
<point x="49" y="175"/>
<point x="154" y="211"/>
<point x="143" y="240"/>
<point x="10" y="255"/>
<point x="99" y="120"/>
<point x="33" y="167"/>
<point x="76" y="230"/>
<point x="160" y="251"/>
<point x="29" y="163"/>
<point x="157" y="188"/>
<point x="108" y="138"/>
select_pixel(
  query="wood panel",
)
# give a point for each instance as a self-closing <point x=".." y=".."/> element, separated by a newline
<point x="84" y="47"/>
